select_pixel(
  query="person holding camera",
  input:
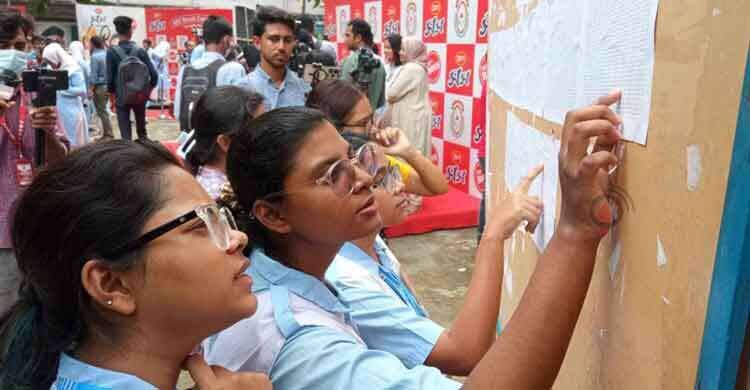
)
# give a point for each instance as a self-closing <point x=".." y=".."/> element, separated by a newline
<point x="363" y="66"/>
<point x="17" y="140"/>
<point x="273" y="32"/>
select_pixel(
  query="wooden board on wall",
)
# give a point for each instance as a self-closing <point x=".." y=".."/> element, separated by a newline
<point x="642" y="323"/>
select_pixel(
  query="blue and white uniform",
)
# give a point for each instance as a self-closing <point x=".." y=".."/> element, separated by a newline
<point x="74" y="374"/>
<point x="302" y="336"/>
<point x="386" y="312"/>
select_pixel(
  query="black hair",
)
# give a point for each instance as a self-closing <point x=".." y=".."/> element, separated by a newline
<point x="220" y="110"/>
<point x="215" y="28"/>
<point x="318" y="56"/>
<point x="395" y="41"/>
<point x="10" y="22"/>
<point x="53" y="30"/>
<point x="271" y="15"/>
<point x="98" y="197"/>
<point x="123" y="25"/>
<point x="307" y="23"/>
<point x="335" y="98"/>
<point x="147" y="41"/>
<point x="362" y="28"/>
<point x="262" y="155"/>
<point x="97" y="42"/>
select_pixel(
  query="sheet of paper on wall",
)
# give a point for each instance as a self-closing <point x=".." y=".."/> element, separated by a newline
<point x="619" y="53"/>
<point x="565" y="54"/>
<point x="526" y="148"/>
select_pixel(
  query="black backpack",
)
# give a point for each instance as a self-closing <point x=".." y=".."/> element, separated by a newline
<point x="133" y="78"/>
<point x="194" y="83"/>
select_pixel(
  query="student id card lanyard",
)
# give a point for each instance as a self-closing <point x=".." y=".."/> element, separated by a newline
<point x="24" y="171"/>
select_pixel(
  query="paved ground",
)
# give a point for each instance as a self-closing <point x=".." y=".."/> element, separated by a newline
<point x="439" y="263"/>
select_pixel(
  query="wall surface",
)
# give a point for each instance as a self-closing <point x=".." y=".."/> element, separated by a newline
<point x="642" y="323"/>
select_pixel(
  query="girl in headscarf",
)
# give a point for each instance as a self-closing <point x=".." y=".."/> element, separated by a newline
<point x="71" y="116"/>
<point x="79" y="54"/>
<point x="159" y="57"/>
<point x="407" y="96"/>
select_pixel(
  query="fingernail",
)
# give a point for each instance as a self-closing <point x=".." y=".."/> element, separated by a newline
<point x="198" y="350"/>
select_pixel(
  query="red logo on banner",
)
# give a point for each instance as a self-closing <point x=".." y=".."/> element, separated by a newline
<point x="479" y="176"/>
<point x="478" y="133"/>
<point x="458" y="118"/>
<point x="459" y="76"/>
<point x="483" y="70"/>
<point x="435" y="22"/>
<point x="391" y="18"/>
<point x="436" y="123"/>
<point x="433" y="66"/>
<point x="456" y="165"/>
<point x="483" y="16"/>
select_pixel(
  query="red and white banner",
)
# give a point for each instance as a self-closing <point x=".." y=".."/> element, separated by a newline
<point x="455" y="32"/>
<point x="175" y="25"/>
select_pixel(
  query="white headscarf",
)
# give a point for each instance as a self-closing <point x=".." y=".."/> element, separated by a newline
<point x="161" y="50"/>
<point x="415" y="51"/>
<point x="77" y="51"/>
<point x="55" y="54"/>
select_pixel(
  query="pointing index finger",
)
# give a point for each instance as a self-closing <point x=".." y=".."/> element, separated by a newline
<point x="525" y="183"/>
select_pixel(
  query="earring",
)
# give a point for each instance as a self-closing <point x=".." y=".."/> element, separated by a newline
<point x="109" y="302"/>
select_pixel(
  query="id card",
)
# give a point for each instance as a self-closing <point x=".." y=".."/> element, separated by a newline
<point x="24" y="172"/>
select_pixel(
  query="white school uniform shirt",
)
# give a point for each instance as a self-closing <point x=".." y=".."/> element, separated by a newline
<point x="303" y="338"/>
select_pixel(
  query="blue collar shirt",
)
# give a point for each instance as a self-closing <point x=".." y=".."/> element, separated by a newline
<point x="290" y="93"/>
<point x="385" y="311"/>
<point x="73" y="374"/>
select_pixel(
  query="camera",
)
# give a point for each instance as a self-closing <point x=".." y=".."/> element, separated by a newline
<point x="366" y="63"/>
<point x="299" y="58"/>
<point x="317" y="72"/>
<point x="45" y="83"/>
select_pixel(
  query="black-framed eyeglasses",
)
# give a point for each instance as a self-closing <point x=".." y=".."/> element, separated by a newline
<point x="219" y="222"/>
<point x="367" y="123"/>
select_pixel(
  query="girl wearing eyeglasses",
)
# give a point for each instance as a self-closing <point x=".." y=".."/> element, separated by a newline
<point x="127" y="264"/>
<point x="349" y="110"/>
<point x="383" y="304"/>
<point x="309" y="192"/>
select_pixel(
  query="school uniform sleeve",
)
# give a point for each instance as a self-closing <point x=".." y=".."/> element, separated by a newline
<point x="178" y="94"/>
<point x="76" y="84"/>
<point x="317" y="357"/>
<point x="386" y="323"/>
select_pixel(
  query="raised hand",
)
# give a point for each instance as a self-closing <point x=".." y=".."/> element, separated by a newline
<point x="583" y="177"/>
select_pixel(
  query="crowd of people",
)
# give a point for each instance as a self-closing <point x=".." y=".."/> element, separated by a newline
<point x="256" y="261"/>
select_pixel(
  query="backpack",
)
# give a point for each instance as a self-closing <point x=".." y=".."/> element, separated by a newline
<point x="194" y="83"/>
<point x="133" y="78"/>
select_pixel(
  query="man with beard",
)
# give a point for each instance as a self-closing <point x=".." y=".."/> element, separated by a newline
<point x="273" y="32"/>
